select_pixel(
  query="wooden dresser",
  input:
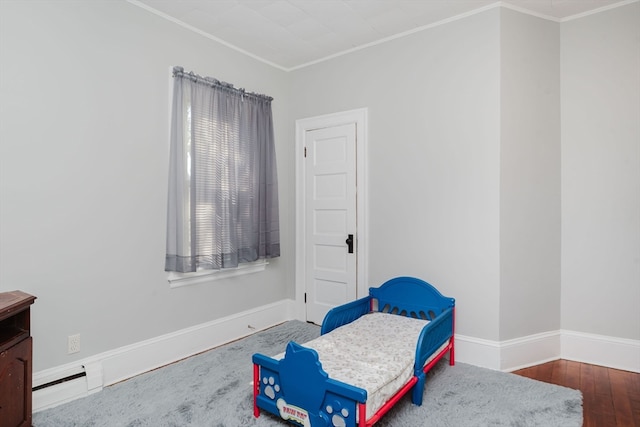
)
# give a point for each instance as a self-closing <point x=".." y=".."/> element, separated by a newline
<point x="15" y="359"/>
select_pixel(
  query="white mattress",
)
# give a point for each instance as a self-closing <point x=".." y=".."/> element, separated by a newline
<point x="375" y="352"/>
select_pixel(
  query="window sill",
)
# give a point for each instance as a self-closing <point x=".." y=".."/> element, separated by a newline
<point x="177" y="280"/>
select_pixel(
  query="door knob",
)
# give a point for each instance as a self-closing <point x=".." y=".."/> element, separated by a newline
<point x="349" y="243"/>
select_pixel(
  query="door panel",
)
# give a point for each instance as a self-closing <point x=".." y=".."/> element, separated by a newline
<point x="330" y="212"/>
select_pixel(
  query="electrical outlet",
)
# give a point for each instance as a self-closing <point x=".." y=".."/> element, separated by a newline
<point x="74" y="343"/>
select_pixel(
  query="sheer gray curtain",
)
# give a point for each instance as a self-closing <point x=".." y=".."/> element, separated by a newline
<point x="223" y="190"/>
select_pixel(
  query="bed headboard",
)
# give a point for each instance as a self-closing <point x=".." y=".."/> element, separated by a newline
<point x="410" y="297"/>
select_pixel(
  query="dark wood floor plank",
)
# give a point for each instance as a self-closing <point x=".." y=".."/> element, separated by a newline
<point x="587" y="379"/>
<point x="572" y="379"/>
<point x="528" y="372"/>
<point x="635" y="410"/>
<point x="611" y="398"/>
<point x="633" y="382"/>
<point x="559" y="372"/>
<point x="544" y="372"/>
<point x="621" y="398"/>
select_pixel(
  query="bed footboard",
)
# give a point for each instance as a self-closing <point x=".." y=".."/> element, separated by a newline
<point x="298" y="390"/>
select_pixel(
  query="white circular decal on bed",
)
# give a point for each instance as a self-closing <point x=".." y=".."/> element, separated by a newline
<point x="338" y="421"/>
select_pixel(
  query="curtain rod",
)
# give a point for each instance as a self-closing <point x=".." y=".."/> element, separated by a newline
<point x="179" y="72"/>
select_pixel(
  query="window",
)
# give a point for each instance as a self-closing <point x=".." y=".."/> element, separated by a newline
<point x="223" y="195"/>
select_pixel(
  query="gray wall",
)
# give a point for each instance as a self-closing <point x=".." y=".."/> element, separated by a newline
<point x="601" y="173"/>
<point x="433" y="156"/>
<point x="529" y="175"/>
<point x="83" y="170"/>
<point x="453" y="148"/>
<point x="474" y="186"/>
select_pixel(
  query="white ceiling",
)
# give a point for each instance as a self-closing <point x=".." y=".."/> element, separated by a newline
<point x="293" y="33"/>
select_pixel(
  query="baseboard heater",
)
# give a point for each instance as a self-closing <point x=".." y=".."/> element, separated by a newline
<point x="64" y="385"/>
<point x="60" y="381"/>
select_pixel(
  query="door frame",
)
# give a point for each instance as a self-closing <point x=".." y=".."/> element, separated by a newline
<point x="359" y="117"/>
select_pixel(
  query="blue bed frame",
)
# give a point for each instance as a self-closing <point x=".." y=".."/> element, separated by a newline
<point x="299" y="391"/>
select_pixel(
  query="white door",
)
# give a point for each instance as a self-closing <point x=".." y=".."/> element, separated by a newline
<point x="330" y="218"/>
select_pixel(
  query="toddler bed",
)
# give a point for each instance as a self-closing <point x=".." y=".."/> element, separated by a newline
<point x="371" y="352"/>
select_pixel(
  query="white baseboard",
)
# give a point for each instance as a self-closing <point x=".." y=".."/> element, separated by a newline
<point x="530" y="350"/>
<point x="510" y="355"/>
<point x="617" y="353"/>
<point x="125" y="362"/>
<point x="477" y="352"/>
<point x="117" y="365"/>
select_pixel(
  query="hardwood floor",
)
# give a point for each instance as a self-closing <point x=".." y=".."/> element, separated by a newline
<point x="610" y="397"/>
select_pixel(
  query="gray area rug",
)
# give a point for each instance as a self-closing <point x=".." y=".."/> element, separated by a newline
<point x="214" y="389"/>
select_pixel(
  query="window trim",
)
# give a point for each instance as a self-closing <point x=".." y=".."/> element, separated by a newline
<point x="177" y="280"/>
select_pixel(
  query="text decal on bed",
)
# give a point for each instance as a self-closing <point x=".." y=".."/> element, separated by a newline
<point x="294" y="413"/>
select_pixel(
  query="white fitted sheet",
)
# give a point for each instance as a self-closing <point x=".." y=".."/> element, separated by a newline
<point x="376" y="352"/>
